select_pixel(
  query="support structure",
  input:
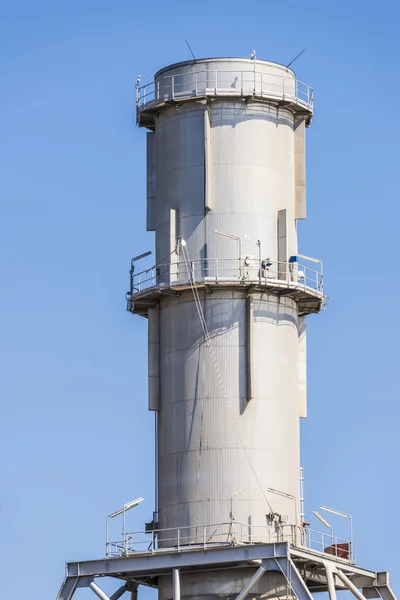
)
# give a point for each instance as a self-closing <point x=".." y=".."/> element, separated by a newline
<point x="303" y="570"/>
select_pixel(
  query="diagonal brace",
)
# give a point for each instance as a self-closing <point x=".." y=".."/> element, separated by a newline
<point x="294" y="578"/>
<point x="350" y="585"/>
<point x="252" y="582"/>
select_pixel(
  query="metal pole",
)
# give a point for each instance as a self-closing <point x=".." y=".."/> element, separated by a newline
<point x="134" y="593"/>
<point x="156" y="464"/>
<point x="176" y="584"/>
<point x="351" y="539"/>
<point x="123" y="529"/>
<point x="107" y="536"/>
<point x="99" y="592"/>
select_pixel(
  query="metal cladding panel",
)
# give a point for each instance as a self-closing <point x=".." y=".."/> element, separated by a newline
<point x="151" y="181"/>
<point x="302" y="367"/>
<point x="213" y="442"/>
<point x="237" y="158"/>
<point x="180" y="156"/>
<point x="253" y="172"/>
<point x="300" y="169"/>
<point x="154" y="358"/>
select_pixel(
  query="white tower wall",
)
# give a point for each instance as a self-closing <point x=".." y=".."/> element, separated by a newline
<point x="212" y="440"/>
<point x="226" y="174"/>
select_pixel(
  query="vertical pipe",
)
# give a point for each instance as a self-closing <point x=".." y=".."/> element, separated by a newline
<point x="351" y="539"/>
<point x="249" y="347"/>
<point x="107" y="536"/>
<point x="176" y="584"/>
<point x="155" y="465"/>
<point x="123" y="531"/>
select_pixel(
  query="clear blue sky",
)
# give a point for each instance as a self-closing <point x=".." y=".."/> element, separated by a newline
<point x="76" y="439"/>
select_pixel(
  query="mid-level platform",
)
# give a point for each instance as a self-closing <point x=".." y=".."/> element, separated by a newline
<point x="292" y="278"/>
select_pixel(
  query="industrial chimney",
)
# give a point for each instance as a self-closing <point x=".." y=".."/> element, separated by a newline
<point x="226" y="299"/>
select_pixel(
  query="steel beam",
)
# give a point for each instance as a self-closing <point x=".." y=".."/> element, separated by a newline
<point x="293" y="577"/>
<point x="386" y="592"/>
<point x="317" y="557"/>
<point x="350" y="585"/>
<point x="163" y="562"/>
<point x="67" y="588"/>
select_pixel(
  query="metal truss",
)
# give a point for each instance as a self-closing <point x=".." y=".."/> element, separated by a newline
<point x="305" y="571"/>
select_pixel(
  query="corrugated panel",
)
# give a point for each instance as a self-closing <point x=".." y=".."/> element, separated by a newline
<point x="151" y="181"/>
<point x="300" y="169"/>
<point x="282" y="244"/>
<point x="205" y="419"/>
<point x="173" y="257"/>
<point x="207" y="161"/>
<point x="154" y="358"/>
<point x="302" y="368"/>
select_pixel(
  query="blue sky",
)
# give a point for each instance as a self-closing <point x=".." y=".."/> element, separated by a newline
<point x="76" y="439"/>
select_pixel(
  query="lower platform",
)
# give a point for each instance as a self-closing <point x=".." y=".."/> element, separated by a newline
<point x="302" y="572"/>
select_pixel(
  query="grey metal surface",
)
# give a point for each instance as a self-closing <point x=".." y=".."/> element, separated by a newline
<point x="212" y="441"/>
<point x="251" y="155"/>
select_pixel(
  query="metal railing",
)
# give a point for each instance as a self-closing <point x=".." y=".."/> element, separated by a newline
<point x="230" y="271"/>
<point x="224" y="83"/>
<point x="223" y="534"/>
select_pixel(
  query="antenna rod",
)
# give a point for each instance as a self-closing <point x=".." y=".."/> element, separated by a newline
<point x="295" y="58"/>
<point x="191" y="51"/>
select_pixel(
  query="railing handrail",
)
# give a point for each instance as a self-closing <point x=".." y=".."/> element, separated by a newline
<point x="236" y="270"/>
<point x="234" y="532"/>
<point x="205" y="82"/>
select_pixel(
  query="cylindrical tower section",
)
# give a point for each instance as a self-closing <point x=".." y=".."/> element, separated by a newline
<point x="226" y="306"/>
<point x="218" y="451"/>
<point x="224" y="160"/>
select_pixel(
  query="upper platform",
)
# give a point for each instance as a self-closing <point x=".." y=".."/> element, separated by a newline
<point x="211" y="78"/>
<point x="293" y="279"/>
